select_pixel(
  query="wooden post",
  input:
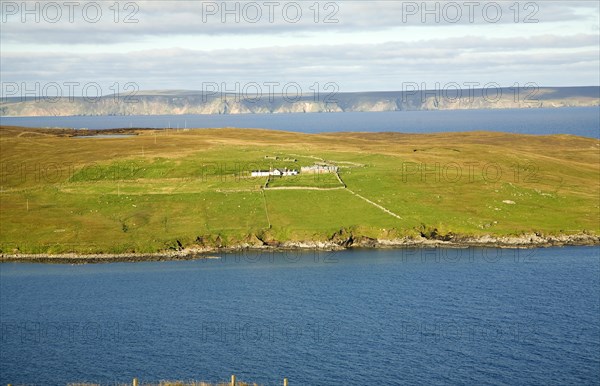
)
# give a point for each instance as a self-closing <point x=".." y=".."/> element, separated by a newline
<point x="135" y="382"/>
<point x="232" y="380"/>
<point x="285" y="382"/>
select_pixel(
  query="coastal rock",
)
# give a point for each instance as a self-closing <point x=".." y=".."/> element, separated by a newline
<point x="340" y="240"/>
<point x="366" y="242"/>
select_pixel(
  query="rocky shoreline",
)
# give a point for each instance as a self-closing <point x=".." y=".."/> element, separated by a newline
<point x="514" y="242"/>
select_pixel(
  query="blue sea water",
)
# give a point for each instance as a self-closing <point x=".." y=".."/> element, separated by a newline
<point x="359" y="317"/>
<point x="583" y="121"/>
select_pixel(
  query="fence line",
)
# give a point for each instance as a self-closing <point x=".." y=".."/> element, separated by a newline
<point x="376" y="205"/>
<point x="136" y="382"/>
<point x="233" y="382"/>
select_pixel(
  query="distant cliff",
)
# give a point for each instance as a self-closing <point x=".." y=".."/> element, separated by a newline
<point x="191" y="102"/>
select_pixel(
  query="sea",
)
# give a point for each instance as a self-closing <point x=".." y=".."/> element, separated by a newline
<point x="357" y="317"/>
<point x="582" y="121"/>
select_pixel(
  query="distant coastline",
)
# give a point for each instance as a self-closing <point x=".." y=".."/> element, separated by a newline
<point x="182" y="102"/>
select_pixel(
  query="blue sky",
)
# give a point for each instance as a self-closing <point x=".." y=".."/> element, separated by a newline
<point x="356" y="45"/>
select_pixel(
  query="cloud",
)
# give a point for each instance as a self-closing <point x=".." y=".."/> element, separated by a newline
<point x="352" y="66"/>
<point x="371" y="45"/>
<point x="104" y="24"/>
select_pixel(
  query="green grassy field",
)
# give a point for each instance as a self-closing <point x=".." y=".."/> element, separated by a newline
<point x="162" y="189"/>
<point x="323" y="180"/>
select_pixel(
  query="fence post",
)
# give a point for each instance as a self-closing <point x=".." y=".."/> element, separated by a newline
<point x="135" y="382"/>
<point x="232" y="380"/>
<point x="285" y="382"/>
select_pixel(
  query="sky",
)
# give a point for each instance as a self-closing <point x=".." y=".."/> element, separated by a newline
<point x="72" y="47"/>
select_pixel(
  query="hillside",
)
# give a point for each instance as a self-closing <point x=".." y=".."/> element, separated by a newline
<point x="163" y="190"/>
<point x="191" y="102"/>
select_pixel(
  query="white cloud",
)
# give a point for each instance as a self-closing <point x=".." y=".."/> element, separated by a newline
<point x="374" y="45"/>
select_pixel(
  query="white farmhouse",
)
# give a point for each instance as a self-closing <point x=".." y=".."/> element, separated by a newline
<point x="286" y="172"/>
<point x="260" y="173"/>
<point x="273" y="172"/>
